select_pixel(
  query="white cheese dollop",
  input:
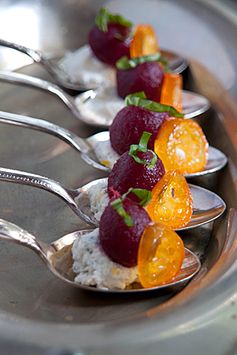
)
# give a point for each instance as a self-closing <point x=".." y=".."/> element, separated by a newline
<point x="82" y="67"/>
<point x="102" y="108"/>
<point x="99" y="199"/>
<point x="94" y="268"/>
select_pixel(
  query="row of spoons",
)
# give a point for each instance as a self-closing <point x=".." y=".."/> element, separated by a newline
<point x="52" y="65"/>
<point x="207" y="206"/>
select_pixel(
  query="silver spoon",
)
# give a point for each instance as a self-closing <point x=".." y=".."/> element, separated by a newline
<point x="207" y="206"/>
<point x="50" y="65"/>
<point x="99" y="107"/>
<point x="97" y="148"/>
<point x="177" y="65"/>
<point x="57" y="257"/>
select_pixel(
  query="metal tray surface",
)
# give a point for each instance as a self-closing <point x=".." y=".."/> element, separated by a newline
<point x="37" y="310"/>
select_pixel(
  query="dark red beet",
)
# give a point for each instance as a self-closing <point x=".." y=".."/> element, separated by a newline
<point x="147" y="77"/>
<point x="119" y="241"/>
<point x="106" y="46"/>
<point x="128" y="173"/>
<point x="129" y="125"/>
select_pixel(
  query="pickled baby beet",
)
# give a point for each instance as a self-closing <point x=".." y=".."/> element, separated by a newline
<point x="147" y="77"/>
<point x="130" y="123"/>
<point x="127" y="173"/>
<point x="118" y="240"/>
<point x="111" y="45"/>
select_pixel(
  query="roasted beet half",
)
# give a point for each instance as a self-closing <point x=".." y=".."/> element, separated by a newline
<point x="118" y="240"/>
<point x="128" y="173"/>
<point x="147" y="77"/>
<point x="130" y="123"/>
<point x="111" y="45"/>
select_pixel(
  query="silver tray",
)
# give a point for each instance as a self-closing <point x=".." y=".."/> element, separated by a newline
<point x="38" y="311"/>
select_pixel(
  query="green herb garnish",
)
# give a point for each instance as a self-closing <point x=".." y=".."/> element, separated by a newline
<point x="142" y="147"/>
<point x="125" y="63"/>
<point x="143" y="194"/>
<point x="104" y="17"/>
<point x="137" y="99"/>
<point x="118" y="207"/>
<point x="144" y="197"/>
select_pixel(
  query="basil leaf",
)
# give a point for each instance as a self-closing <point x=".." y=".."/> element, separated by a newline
<point x="125" y="63"/>
<point x="135" y="100"/>
<point x="144" y="196"/>
<point x="117" y="205"/>
<point x="144" y="141"/>
<point x="142" y="147"/>
<point x="104" y="17"/>
<point x="102" y="20"/>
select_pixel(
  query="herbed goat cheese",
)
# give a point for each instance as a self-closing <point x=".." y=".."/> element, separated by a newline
<point x="94" y="268"/>
<point x="82" y="67"/>
<point x="99" y="199"/>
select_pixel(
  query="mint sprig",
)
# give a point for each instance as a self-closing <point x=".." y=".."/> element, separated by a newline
<point x="104" y="17"/>
<point x="137" y="99"/>
<point x="142" y="147"/>
<point x="125" y="63"/>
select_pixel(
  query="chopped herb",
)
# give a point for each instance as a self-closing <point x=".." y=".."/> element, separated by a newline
<point x="125" y="63"/>
<point x="118" y="207"/>
<point x="142" y="147"/>
<point x="144" y="197"/>
<point x="104" y="17"/>
<point x="137" y="100"/>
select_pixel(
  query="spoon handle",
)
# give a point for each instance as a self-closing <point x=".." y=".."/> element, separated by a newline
<point x="33" y="54"/>
<point x="41" y="182"/>
<point x="41" y="125"/>
<point x="17" y="78"/>
<point x="18" y="235"/>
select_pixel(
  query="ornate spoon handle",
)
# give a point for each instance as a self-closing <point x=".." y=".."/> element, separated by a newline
<point x="68" y="195"/>
<point x="15" y="234"/>
<point x="41" y="182"/>
<point x="47" y="127"/>
<point x="22" y="79"/>
<point x="35" y="55"/>
<point x="18" y="235"/>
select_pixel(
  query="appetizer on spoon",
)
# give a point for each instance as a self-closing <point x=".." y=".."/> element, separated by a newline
<point x="92" y="65"/>
<point x="96" y="150"/>
<point x="89" y="201"/>
<point x="99" y="107"/>
<point x="58" y="258"/>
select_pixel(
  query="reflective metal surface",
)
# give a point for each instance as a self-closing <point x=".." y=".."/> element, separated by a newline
<point x="39" y="311"/>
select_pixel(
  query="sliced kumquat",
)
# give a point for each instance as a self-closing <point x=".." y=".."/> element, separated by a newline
<point x="171" y="92"/>
<point x="160" y="255"/>
<point x="144" y="41"/>
<point x="171" y="202"/>
<point x="181" y="144"/>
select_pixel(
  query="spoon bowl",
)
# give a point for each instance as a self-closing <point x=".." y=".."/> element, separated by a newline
<point x="57" y="256"/>
<point x="207" y="206"/>
<point x="98" y="107"/>
<point x="62" y="77"/>
<point x="96" y="150"/>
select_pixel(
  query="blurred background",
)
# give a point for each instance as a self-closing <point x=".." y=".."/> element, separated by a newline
<point x="56" y="26"/>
